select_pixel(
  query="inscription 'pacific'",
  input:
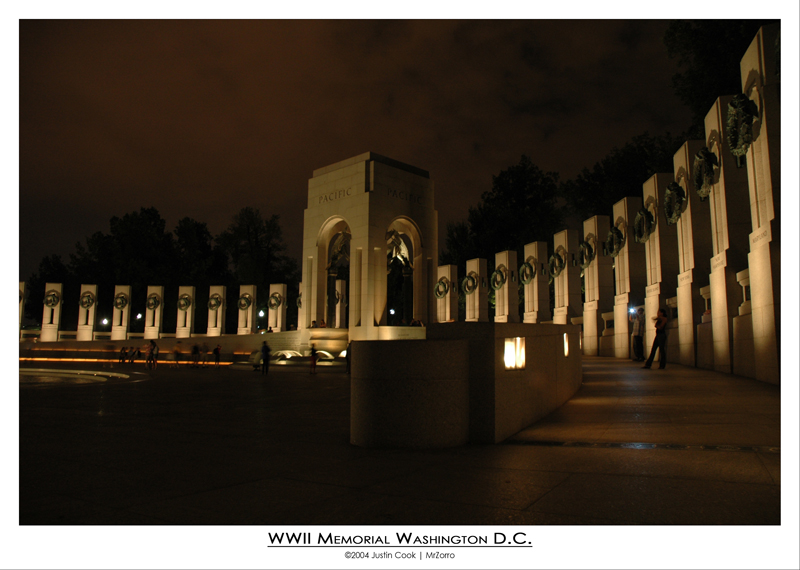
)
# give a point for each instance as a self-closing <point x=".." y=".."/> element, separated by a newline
<point x="335" y="195"/>
<point x="403" y="195"/>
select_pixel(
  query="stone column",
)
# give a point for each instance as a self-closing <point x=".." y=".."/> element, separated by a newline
<point x="186" y="308"/>
<point x="217" y="304"/>
<point x="630" y="275"/>
<point x="761" y="84"/>
<point x="87" y="312"/>
<point x="537" y="291"/>
<point x="447" y="294"/>
<point x="725" y="185"/>
<point x="506" y="296"/>
<point x="598" y="276"/>
<point x="744" y="358"/>
<point x="154" y="312"/>
<point x="277" y="307"/>
<point x="247" y="309"/>
<point x="121" y="316"/>
<point x="693" y="226"/>
<point x="566" y="273"/>
<point x="661" y="258"/>
<point x="51" y="316"/>
<point x="23" y="294"/>
<point x="476" y="291"/>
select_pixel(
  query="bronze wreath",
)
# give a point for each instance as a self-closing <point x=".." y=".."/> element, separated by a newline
<point x="214" y="302"/>
<point x="52" y="298"/>
<point x="120" y="301"/>
<point x="184" y="302"/>
<point x="442" y="288"/>
<point x="643" y="226"/>
<point x="498" y="278"/>
<point x="153" y="301"/>
<point x="470" y="283"/>
<point x="615" y="241"/>
<point x="704" y="163"/>
<point x="587" y="254"/>
<point x="87" y="299"/>
<point x="556" y="265"/>
<point x="741" y="111"/>
<point x="244" y="302"/>
<point x="276" y="300"/>
<point x="526" y="272"/>
<point x="674" y="198"/>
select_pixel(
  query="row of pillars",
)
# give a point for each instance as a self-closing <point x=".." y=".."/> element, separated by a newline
<point x="122" y="310"/>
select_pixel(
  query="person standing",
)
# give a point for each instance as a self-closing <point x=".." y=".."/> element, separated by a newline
<point x="123" y="355"/>
<point x="660" y="341"/>
<point x="155" y="354"/>
<point x="264" y="358"/>
<point x="148" y="361"/>
<point x="203" y="355"/>
<point x="313" y="359"/>
<point x="637" y="319"/>
<point x="217" y="350"/>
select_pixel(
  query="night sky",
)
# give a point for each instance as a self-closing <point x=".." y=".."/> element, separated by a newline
<point x="202" y="118"/>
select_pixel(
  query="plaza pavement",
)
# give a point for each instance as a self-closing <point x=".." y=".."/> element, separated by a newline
<point x="226" y="446"/>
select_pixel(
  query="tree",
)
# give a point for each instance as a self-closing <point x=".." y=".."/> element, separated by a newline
<point x="709" y="51"/>
<point x="622" y="173"/>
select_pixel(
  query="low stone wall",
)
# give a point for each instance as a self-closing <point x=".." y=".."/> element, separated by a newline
<point x="410" y="393"/>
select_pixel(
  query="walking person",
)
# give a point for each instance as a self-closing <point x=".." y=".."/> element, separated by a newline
<point x="637" y="319"/>
<point x="123" y="355"/>
<point x="204" y="355"/>
<point x="313" y="359"/>
<point x="155" y="354"/>
<point x="148" y="361"/>
<point x="176" y="354"/>
<point x="217" y="350"/>
<point x="660" y="341"/>
<point x="264" y="358"/>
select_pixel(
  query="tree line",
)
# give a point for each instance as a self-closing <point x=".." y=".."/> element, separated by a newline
<point x="139" y="251"/>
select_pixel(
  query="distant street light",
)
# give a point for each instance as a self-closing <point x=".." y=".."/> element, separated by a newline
<point x="261" y="313"/>
<point x="138" y="315"/>
<point x="105" y="321"/>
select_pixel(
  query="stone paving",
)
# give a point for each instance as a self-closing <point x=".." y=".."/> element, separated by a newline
<point x="227" y="446"/>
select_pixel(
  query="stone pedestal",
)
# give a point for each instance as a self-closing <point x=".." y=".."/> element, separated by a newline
<point x="598" y="277"/>
<point x="186" y="307"/>
<point x="629" y="271"/>
<point x="730" y="229"/>
<point x="154" y="312"/>
<point x="563" y="265"/>
<point x="743" y="347"/>
<point x="51" y="315"/>
<point x="705" y="338"/>
<point x="121" y="316"/>
<point x="661" y="254"/>
<point x="761" y="84"/>
<point x="277" y="306"/>
<point x="247" y="309"/>
<point x="476" y="291"/>
<point x="537" y="291"/>
<point x="506" y="296"/>
<point x="87" y="312"/>
<point x="693" y="228"/>
<point x="217" y="304"/>
<point x="446" y="294"/>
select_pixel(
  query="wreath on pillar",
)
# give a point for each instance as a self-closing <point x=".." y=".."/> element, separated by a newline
<point x="87" y="299"/>
<point x="586" y="253"/>
<point x="120" y="301"/>
<point x="741" y="112"/>
<point x="299" y="300"/>
<point x="184" y="302"/>
<point x="499" y="277"/>
<point x="153" y="301"/>
<point x="442" y="288"/>
<point x="643" y="226"/>
<point x="244" y="302"/>
<point x="52" y="298"/>
<point x="556" y="265"/>
<point x="674" y="198"/>
<point x="704" y="163"/>
<point x="470" y="283"/>
<point x="276" y="300"/>
<point x="615" y="241"/>
<point x="214" y="302"/>
<point x="527" y="272"/>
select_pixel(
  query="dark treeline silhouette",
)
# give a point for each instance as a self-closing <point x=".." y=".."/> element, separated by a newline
<point x="139" y="251"/>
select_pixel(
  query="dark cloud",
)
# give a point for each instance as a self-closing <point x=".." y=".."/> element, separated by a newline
<point x="202" y="118"/>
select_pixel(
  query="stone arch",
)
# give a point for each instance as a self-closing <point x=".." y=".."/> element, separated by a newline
<point x="333" y="251"/>
<point x="408" y="230"/>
